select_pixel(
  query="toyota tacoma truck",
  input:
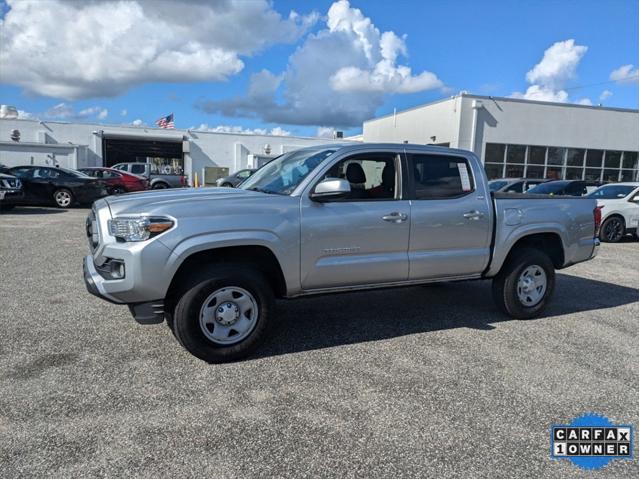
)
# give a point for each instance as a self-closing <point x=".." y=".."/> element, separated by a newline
<point x="327" y="219"/>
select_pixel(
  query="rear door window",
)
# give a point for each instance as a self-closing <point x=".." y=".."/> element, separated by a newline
<point x="440" y="176"/>
<point x="138" y="169"/>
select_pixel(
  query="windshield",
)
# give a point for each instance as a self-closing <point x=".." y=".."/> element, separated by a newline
<point x="282" y="175"/>
<point x="496" y="185"/>
<point x="548" y="188"/>
<point x="612" y="192"/>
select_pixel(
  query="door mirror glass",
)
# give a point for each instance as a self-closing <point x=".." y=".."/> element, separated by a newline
<point x="331" y="189"/>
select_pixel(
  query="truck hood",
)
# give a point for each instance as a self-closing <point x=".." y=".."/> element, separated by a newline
<point x="177" y="199"/>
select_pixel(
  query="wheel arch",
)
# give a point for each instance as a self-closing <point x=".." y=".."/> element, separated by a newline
<point x="258" y="256"/>
<point x="159" y="182"/>
<point x="547" y="242"/>
<point x="615" y="214"/>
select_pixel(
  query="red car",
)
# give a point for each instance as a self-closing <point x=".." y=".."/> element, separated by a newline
<point x="117" y="182"/>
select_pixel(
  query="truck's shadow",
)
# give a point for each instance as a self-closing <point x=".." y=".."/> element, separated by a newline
<point x="328" y="321"/>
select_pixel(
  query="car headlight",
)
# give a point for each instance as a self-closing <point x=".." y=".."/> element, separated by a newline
<point x="139" y="228"/>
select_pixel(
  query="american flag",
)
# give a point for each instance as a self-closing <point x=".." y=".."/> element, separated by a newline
<point x="166" y="122"/>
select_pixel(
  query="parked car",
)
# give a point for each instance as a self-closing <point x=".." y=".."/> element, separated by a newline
<point x="514" y="185"/>
<point x="232" y="181"/>
<point x="117" y="182"/>
<point x="10" y="191"/>
<point x="619" y="203"/>
<point x="157" y="180"/>
<point x="45" y="185"/>
<point x="321" y="220"/>
<point x="564" y="188"/>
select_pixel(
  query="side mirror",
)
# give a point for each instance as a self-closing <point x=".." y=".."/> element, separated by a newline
<point x="331" y="189"/>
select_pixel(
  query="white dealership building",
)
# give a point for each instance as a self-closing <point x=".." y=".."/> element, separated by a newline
<point x="513" y="137"/>
<point x="523" y="138"/>
<point x="76" y="145"/>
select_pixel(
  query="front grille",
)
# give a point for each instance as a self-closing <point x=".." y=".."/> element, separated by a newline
<point x="93" y="235"/>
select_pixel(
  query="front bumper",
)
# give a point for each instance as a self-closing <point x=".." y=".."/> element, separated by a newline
<point x="12" y="197"/>
<point x="151" y="312"/>
<point x="94" y="282"/>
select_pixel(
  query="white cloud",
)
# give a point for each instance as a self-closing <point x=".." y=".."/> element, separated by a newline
<point x="584" y="101"/>
<point x="277" y="131"/>
<point x="325" y="132"/>
<point x="64" y="111"/>
<point x="25" y="115"/>
<point x="625" y="74"/>
<point x="381" y="51"/>
<point x="138" y="122"/>
<point x="540" y="93"/>
<point x="605" y="95"/>
<point x="549" y="76"/>
<point x="558" y="64"/>
<point x="127" y="43"/>
<point x="124" y="112"/>
<point x="337" y="76"/>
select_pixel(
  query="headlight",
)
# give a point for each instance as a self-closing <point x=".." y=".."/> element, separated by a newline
<point x="139" y="228"/>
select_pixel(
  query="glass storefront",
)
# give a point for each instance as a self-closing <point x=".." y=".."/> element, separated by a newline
<point x="556" y="162"/>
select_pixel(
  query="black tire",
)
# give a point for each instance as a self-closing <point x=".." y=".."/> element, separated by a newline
<point x="505" y="284"/>
<point x="63" y="198"/>
<point x="117" y="190"/>
<point x="160" y="185"/>
<point x="227" y="185"/>
<point x="612" y="230"/>
<point x="185" y="320"/>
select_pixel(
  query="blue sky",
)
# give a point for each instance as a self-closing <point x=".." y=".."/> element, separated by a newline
<point x="252" y="65"/>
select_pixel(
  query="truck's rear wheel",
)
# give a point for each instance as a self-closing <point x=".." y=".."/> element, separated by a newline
<point x="225" y="317"/>
<point x="524" y="286"/>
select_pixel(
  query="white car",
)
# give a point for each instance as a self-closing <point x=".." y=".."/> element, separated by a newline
<point x="619" y="204"/>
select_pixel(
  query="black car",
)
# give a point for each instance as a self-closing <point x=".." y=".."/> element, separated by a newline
<point x="514" y="185"/>
<point x="10" y="191"/>
<point x="46" y="185"/>
<point x="564" y="187"/>
<point x="232" y="181"/>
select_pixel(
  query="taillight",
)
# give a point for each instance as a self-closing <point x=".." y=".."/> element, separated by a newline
<point x="596" y="213"/>
<point x="182" y="180"/>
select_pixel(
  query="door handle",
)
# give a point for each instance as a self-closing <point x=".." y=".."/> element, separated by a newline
<point x="473" y="215"/>
<point x="395" y="217"/>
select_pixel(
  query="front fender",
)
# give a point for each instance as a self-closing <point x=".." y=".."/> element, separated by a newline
<point x="280" y="248"/>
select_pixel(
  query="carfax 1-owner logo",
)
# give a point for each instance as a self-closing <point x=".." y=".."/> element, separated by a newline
<point x="591" y="441"/>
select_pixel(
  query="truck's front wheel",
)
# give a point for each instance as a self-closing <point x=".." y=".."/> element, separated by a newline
<point x="225" y="317"/>
<point x="525" y="284"/>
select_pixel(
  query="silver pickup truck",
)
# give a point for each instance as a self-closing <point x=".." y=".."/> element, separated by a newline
<point x="334" y="218"/>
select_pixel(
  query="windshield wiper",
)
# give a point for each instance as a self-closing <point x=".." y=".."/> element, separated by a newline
<point x="263" y="190"/>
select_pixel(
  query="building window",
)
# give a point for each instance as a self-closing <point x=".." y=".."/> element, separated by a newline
<point x="575" y="157"/>
<point x="516" y="154"/>
<point x="612" y="159"/>
<point x="534" y="171"/>
<point x="556" y="162"/>
<point x="594" y="158"/>
<point x="556" y="156"/>
<point x="536" y="155"/>
<point x="593" y="174"/>
<point x="630" y="160"/>
<point x="494" y="160"/>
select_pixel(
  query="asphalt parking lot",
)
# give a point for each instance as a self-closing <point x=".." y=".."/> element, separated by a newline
<point x="415" y="382"/>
